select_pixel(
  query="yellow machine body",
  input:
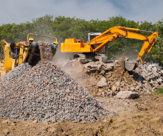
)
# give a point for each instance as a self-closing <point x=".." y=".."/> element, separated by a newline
<point x="74" y="45"/>
<point x="6" y="65"/>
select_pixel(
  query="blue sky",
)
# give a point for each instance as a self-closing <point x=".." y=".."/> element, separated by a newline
<point x="20" y="11"/>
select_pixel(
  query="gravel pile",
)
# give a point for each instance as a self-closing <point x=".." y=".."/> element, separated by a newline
<point x="146" y="78"/>
<point x="15" y="73"/>
<point x="149" y="74"/>
<point x="45" y="93"/>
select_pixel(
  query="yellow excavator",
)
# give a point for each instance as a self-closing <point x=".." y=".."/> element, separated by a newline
<point x="97" y="44"/>
<point x="28" y="51"/>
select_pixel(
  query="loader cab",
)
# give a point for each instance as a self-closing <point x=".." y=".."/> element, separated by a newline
<point x="30" y="40"/>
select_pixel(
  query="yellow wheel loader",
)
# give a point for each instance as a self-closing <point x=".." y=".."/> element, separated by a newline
<point x="97" y="44"/>
<point x="28" y="51"/>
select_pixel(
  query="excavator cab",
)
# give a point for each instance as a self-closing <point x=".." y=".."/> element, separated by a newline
<point x="91" y="36"/>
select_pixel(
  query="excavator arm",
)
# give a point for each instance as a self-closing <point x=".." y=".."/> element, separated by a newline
<point x="118" y="31"/>
<point x="148" y="45"/>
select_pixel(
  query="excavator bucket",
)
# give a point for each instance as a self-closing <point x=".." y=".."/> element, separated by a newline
<point x="129" y="65"/>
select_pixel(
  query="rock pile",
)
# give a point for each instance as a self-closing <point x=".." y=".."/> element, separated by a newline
<point x="45" y="93"/>
<point x="149" y="74"/>
<point x="14" y="74"/>
<point x="107" y="79"/>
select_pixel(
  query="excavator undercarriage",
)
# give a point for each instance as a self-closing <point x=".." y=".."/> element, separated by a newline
<point x="87" y="57"/>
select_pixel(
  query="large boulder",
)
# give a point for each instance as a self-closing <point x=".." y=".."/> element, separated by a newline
<point x="101" y="84"/>
<point x="127" y="95"/>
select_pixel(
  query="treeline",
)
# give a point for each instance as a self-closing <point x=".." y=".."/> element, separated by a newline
<point x="66" y="27"/>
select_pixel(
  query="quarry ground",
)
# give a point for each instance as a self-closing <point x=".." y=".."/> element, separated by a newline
<point x="142" y="116"/>
<point x="137" y="117"/>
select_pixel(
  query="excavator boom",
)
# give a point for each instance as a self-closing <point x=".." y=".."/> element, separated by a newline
<point x="119" y="31"/>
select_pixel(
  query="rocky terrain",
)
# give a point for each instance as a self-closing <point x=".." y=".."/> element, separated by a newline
<point x="64" y="97"/>
<point x="108" y="79"/>
<point x="136" y="117"/>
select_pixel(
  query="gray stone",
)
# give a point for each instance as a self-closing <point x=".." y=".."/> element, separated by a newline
<point x="114" y="88"/>
<point x="155" y="73"/>
<point x="35" y="121"/>
<point x="51" y="129"/>
<point x="6" y="131"/>
<point x="132" y="88"/>
<point x="148" y="86"/>
<point x="152" y="65"/>
<point x="103" y="79"/>
<point x="101" y="84"/>
<point x="127" y="95"/>
<point x="149" y="68"/>
<point x="92" y="80"/>
<point x="159" y="80"/>
<point x="146" y="90"/>
<point x="117" y="83"/>
<point x="161" y="72"/>
<point x="154" y="69"/>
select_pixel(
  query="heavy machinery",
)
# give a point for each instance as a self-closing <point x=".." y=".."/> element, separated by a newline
<point x="99" y="42"/>
<point x="28" y="51"/>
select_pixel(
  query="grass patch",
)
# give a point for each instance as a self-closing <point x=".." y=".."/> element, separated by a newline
<point x="159" y="91"/>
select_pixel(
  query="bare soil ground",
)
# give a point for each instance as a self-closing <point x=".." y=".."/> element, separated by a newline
<point x="142" y="116"/>
<point x="134" y="117"/>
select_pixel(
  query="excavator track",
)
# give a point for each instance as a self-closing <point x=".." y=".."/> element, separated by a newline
<point x="87" y="57"/>
<point x="81" y="57"/>
<point x="102" y="57"/>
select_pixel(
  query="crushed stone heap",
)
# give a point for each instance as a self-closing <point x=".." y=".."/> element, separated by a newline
<point x="149" y="73"/>
<point x="45" y="93"/>
<point x="107" y="79"/>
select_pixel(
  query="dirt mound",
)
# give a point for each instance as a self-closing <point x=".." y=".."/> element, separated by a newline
<point x="45" y="93"/>
<point x="107" y="79"/>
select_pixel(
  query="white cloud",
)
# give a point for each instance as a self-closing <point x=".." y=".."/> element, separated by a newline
<point x="20" y="11"/>
<point x="90" y="9"/>
<point x="143" y="10"/>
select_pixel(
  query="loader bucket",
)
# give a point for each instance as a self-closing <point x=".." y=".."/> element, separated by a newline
<point x="130" y="65"/>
